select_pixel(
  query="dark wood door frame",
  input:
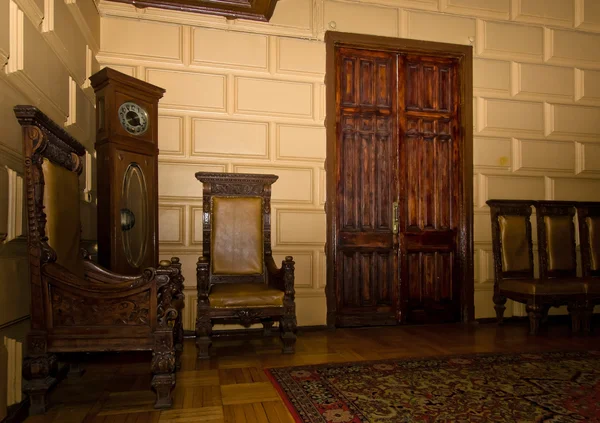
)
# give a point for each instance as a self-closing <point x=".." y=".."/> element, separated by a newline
<point x="464" y="55"/>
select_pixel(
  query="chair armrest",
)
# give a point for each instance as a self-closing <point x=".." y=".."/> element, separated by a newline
<point x="282" y="278"/>
<point x="172" y="268"/>
<point x="96" y="273"/>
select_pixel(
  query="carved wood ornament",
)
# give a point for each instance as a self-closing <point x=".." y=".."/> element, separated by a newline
<point x="255" y="10"/>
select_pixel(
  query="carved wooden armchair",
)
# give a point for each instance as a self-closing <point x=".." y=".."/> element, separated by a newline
<point x="77" y="306"/>
<point x="238" y="281"/>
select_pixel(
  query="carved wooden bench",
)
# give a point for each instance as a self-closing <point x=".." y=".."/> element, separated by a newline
<point x="557" y="284"/>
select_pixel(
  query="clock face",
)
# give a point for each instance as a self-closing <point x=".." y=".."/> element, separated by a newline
<point x="133" y="118"/>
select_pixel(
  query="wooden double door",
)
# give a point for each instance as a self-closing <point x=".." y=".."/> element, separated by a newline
<point x="397" y="163"/>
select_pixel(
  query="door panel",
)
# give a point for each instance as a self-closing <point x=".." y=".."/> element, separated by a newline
<point x="428" y="173"/>
<point x="367" y="290"/>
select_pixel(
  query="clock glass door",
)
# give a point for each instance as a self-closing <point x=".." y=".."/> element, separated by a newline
<point x="134" y="215"/>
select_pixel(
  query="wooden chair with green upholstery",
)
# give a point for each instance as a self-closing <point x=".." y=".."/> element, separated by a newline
<point x="238" y="281"/>
<point x="588" y="215"/>
<point x="512" y="245"/>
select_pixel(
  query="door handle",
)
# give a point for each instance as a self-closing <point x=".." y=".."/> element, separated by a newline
<point x="395" y="217"/>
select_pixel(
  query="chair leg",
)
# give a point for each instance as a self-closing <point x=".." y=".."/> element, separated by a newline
<point x="267" y="326"/>
<point x="39" y="372"/>
<point x="163" y="368"/>
<point x="287" y="326"/>
<point x="75" y="371"/>
<point x="575" y="310"/>
<point x="545" y="310"/>
<point x="587" y="313"/>
<point x="203" y="332"/>
<point x="499" y="306"/>
<point x="178" y="339"/>
<point x="535" y="315"/>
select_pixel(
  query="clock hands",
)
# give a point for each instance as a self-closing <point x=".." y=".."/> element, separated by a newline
<point x="133" y="118"/>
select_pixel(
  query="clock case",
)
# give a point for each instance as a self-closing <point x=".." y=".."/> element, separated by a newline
<point x="116" y="150"/>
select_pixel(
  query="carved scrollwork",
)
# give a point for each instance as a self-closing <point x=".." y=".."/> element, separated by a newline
<point x="36" y="344"/>
<point x="166" y="312"/>
<point x="237" y="189"/>
<point x="288" y="277"/>
<point x="72" y="310"/>
<point x="248" y="316"/>
<point x="163" y="361"/>
<point x="40" y="367"/>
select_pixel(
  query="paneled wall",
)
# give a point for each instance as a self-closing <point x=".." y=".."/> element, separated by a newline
<point x="249" y="97"/>
<point x="47" y="52"/>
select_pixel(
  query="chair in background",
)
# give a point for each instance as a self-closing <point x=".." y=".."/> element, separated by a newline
<point x="512" y="245"/>
<point x="77" y="306"/>
<point x="588" y="216"/>
<point x="558" y="253"/>
<point x="238" y="281"/>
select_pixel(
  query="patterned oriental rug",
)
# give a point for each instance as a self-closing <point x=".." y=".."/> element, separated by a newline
<point x="545" y="387"/>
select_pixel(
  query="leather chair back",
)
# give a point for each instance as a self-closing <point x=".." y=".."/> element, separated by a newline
<point x="237" y="236"/>
<point x="511" y="238"/>
<point x="588" y="215"/>
<point x="556" y="239"/>
<point x="236" y="231"/>
<point x="593" y="224"/>
<point x="62" y="208"/>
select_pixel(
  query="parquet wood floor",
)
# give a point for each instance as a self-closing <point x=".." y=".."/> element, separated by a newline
<point x="232" y="386"/>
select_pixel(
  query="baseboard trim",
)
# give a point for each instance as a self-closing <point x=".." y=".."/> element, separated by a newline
<point x="14" y="322"/>
<point x="223" y="333"/>
<point x="556" y="319"/>
<point x="18" y="412"/>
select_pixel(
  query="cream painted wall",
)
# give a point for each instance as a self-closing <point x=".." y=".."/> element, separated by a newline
<point x="47" y="52"/>
<point x="249" y="97"/>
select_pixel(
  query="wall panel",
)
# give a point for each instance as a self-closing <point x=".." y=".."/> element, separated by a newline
<point x="272" y="97"/>
<point x="188" y="90"/>
<point x="544" y="82"/>
<point x="505" y="40"/>
<point x="491" y="152"/>
<point x="225" y="48"/>
<point x="145" y="40"/>
<point x="171" y="136"/>
<point x="484" y="8"/>
<point x="442" y="28"/>
<point x="548" y="12"/>
<point x="513" y="116"/>
<point x="300" y="56"/>
<point x="359" y="18"/>
<point x="295" y="142"/>
<point x="571" y="47"/>
<point x="491" y="76"/>
<point x="587" y="15"/>
<point x="227" y="138"/>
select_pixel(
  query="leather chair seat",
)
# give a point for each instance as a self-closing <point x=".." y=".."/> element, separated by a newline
<point x="239" y="295"/>
<point x="548" y="287"/>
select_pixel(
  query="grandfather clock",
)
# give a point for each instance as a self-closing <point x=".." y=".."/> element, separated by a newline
<point x="127" y="171"/>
